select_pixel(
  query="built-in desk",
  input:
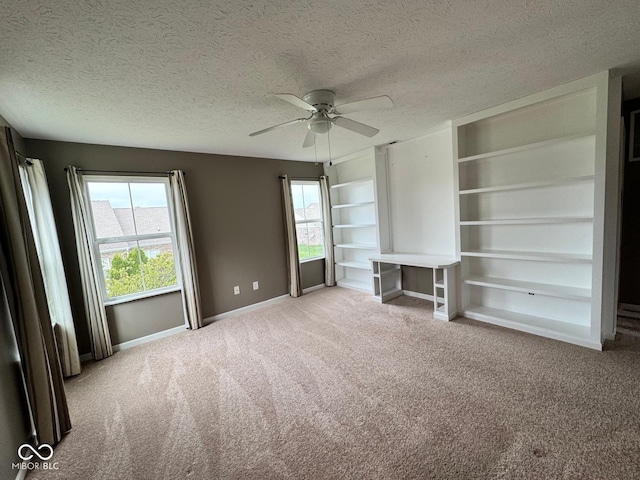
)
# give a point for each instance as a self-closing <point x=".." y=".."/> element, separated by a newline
<point x="387" y="279"/>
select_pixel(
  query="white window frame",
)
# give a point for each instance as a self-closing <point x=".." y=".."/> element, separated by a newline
<point x="95" y="242"/>
<point x="320" y="219"/>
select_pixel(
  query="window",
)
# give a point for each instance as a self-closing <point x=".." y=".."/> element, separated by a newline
<point x="308" y="215"/>
<point x="133" y="235"/>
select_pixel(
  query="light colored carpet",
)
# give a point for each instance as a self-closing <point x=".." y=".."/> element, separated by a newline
<point x="335" y="385"/>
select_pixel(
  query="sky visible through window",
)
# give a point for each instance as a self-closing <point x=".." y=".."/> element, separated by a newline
<point x="144" y="194"/>
<point x="311" y="195"/>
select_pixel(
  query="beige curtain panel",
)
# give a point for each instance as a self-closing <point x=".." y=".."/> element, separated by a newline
<point x="36" y="192"/>
<point x="186" y="251"/>
<point x="27" y="302"/>
<point x="291" y="239"/>
<point x="89" y="271"/>
<point x="329" y="265"/>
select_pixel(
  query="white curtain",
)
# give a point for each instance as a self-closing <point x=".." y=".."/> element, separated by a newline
<point x="329" y="266"/>
<point x="291" y="239"/>
<point x="27" y="308"/>
<point x="89" y="270"/>
<point x="186" y="251"/>
<point x="36" y="192"/>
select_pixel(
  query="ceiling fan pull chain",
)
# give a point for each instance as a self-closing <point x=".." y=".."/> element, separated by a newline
<point x="315" y="147"/>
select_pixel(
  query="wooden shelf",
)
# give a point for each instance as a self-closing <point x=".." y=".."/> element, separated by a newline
<point x="355" y="225"/>
<point x="352" y="205"/>
<point x="355" y="284"/>
<point x="528" y="221"/>
<point x="546" y="289"/>
<point x="358" y="265"/>
<point x="360" y="246"/>
<point x="522" y="148"/>
<point x="355" y="182"/>
<point x="528" y="185"/>
<point x="535" y="256"/>
<point x="564" y="331"/>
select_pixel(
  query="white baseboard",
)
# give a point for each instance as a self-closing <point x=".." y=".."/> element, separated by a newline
<point x="423" y="296"/>
<point x="313" y="289"/>
<point x="248" y="308"/>
<point x="138" y="341"/>
<point x="148" y="338"/>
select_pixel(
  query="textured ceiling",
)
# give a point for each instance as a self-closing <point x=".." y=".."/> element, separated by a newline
<point x="196" y="76"/>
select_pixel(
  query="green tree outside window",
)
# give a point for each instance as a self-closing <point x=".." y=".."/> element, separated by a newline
<point x="125" y="276"/>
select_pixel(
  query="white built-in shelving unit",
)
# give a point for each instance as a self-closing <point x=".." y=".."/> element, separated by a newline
<point x="360" y="214"/>
<point x="532" y="189"/>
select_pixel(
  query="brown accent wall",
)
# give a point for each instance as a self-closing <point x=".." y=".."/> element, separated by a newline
<point x="237" y="227"/>
<point x="312" y="273"/>
<point x="419" y="280"/>
<point x="159" y="313"/>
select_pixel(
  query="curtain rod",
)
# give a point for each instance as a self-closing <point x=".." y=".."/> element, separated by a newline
<point x="125" y="172"/>
<point x="26" y="160"/>
<point x="303" y="178"/>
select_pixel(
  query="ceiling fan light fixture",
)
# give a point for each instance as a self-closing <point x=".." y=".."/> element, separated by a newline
<point x="320" y="125"/>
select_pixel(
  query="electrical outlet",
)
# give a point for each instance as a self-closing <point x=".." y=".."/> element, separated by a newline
<point x="256" y="286"/>
<point x="236" y="290"/>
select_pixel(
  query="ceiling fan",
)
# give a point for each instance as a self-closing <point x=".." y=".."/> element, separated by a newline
<point x="320" y="104"/>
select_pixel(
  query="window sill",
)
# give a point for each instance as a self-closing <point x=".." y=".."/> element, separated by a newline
<point x="306" y="260"/>
<point x="141" y="296"/>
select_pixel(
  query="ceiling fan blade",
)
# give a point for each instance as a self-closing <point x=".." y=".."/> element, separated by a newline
<point x="291" y="122"/>
<point x="354" y="126"/>
<point x="298" y="102"/>
<point x="309" y="140"/>
<point x="373" y="103"/>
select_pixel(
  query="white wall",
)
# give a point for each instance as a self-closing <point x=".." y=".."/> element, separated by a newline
<point x="421" y="192"/>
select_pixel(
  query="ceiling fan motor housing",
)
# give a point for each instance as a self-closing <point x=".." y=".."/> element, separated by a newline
<point x="322" y="100"/>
